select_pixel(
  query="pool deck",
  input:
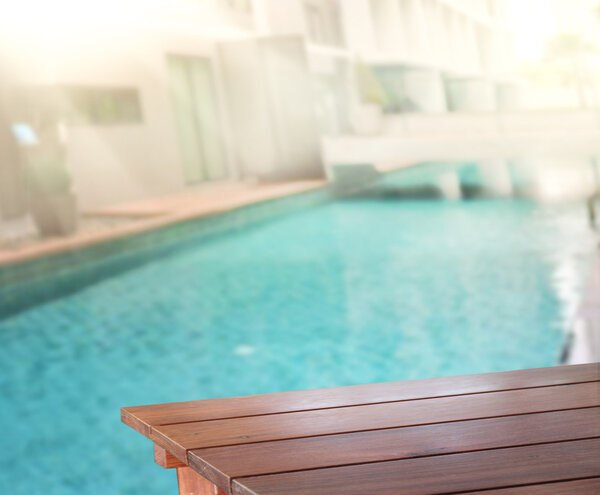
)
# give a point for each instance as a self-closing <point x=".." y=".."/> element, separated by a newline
<point x="120" y="220"/>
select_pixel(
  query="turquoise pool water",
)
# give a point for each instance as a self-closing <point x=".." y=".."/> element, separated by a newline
<point x="349" y="292"/>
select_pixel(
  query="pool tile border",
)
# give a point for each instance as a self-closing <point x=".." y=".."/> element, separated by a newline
<point x="32" y="282"/>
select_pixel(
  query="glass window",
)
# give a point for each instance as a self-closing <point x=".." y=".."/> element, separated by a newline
<point x="92" y="105"/>
<point x="80" y="104"/>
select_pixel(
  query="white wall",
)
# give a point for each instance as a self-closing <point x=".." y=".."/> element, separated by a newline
<point x="281" y="17"/>
<point x="442" y="124"/>
<point x="123" y="162"/>
<point x="93" y="47"/>
<point x="358" y="28"/>
<point x="495" y="177"/>
<point x="253" y="147"/>
<point x="426" y="89"/>
<point x="271" y="107"/>
<point x="137" y="160"/>
<point x="470" y="95"/>
<point x="436" y="34"/>
<point x="457" y="144"/>
<point x="548" y="120"/>
<point x="492" y="123"/>
<point x="142" y="160"/>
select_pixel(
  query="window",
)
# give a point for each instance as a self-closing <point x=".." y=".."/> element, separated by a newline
<point x="92" y="105"/>
<point x="103" y="106"/>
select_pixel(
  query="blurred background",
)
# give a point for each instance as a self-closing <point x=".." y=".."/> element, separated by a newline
<point x="159" y="98"/>
<point x="208" y="198"/>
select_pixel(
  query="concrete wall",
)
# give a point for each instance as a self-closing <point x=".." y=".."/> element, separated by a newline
<point x="271" y="108"/>
<point x="441" y="124"/>
<point x="492" y="123"/>
<point x="425" y="89"/>
<point x="549" y="120"/>
<point x="253" y="148"/>
<point x="281" y="17"/>
<point x="401" y="150"/>
<point x="470" y="95"/>
<point x="358" y="28"/>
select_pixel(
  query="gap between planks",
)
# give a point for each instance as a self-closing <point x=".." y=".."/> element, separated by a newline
<point x="471" y="472"/>
<point x="424" y="456"/>
<point x="374" y="403"/>
<point x="179" y="439"/>
<point x="140" y="419"/>
<point x="222" y="464"/>
<point x="591" y="485"/>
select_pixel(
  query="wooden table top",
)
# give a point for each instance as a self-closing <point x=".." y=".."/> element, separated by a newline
<point x="531" y="431"/>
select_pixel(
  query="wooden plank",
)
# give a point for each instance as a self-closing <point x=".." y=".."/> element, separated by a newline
<point x="191" y="483"/>
<point x="165" y="459"/>
<point x="590" y="486"/>
<point x="220" y="464"/>
<point x="440" y="474"/>
<point x="180" y="438"/>
<point x="143" y="418"/>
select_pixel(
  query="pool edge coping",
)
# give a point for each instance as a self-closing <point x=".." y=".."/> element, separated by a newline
<point x="83" y="240"/>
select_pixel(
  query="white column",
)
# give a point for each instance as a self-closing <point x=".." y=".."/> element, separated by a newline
<point x="495" y="178"/>
<point x="524" y="176"/>
<point x="449" y="185"/>
<point x="425" y="89"/>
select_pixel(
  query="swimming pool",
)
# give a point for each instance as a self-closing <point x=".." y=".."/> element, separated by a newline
<point x="347" y="292"/>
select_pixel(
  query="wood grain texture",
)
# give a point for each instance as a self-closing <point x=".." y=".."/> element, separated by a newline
<point x="180" y="438"/>
<point x="165" y="459"/>
<point x="221" y="464"/>
<point x="440" y="474"/>
<point x="578" y="487"/>
<point x="191" y="483"/>
<point x="143" y="418"/>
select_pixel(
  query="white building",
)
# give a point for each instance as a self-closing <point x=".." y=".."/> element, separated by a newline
<point x="163" y="96"/>
<point x="436" y="55"/>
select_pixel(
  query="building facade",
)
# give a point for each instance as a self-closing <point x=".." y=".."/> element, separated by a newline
<point x="168" y="96"/>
